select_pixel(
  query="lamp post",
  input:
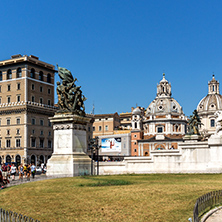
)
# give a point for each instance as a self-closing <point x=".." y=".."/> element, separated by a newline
<point x="94" y="147"/>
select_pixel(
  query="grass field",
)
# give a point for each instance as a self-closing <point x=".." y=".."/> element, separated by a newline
<point x="157" y="197"/>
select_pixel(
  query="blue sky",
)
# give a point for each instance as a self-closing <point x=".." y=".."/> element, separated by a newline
<point x="118" y="50"/>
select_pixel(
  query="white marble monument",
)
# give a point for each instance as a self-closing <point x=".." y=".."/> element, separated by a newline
<point x="69" y="157"/>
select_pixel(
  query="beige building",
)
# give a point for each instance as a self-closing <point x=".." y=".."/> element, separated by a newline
<point x="26" y="102"/>
<point x="105" y="124"/>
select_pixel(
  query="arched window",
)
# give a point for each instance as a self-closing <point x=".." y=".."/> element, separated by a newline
<point x="8" y="159"/>
<point x="33" y="73"/>
<point x="42" y="159"/>
<point x="9" y="74"/>
<point x="19" y="73"/>
<point x="212" y="123"/>
<point x="18" y="160"/>
<point x="41" y="76"/>
<point x="135" y="125"/>
<point x="48" y="78"/>
<point x="0" y="75"/>
<point x="33" y="159"/>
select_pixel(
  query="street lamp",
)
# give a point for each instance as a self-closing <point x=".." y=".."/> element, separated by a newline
<point x="94" y="147"/>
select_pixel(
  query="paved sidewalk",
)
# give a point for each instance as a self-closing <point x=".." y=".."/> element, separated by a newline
<point x="215" y="217"/>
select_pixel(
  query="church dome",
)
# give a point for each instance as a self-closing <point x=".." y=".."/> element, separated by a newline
<point x="213" y="101"/>
<point x="136" y="111"/>
<point x="164" y="103"/>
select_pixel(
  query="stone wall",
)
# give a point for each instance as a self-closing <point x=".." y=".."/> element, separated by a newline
<point x="192" y="156"/>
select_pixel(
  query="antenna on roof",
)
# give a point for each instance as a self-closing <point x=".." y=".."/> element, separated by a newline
<point x="93" y="109"/>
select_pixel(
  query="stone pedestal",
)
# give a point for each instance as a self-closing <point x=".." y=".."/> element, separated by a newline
<point x="69" y="157"/>
<point x="194" y="137"/>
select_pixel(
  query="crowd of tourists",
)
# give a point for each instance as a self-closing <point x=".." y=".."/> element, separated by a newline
<point x="10" y="170"/>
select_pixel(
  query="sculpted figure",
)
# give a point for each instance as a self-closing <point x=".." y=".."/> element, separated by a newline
<point x="70" y="98"/>
<point x="194" y="124"/>
<point x="218" y="115"/>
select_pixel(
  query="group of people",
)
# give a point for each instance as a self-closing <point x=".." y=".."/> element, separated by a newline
<point x="7" y="171"/>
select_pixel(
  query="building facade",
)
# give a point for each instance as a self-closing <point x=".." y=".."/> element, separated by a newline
<point x="208" y="106"/>
<point x="26" y="102"/>
<point x="161" y="127"/>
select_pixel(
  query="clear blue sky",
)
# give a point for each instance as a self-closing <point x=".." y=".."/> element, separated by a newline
<point x="118" y="50"/>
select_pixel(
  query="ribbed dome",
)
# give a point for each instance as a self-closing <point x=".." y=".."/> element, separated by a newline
<point x="210" y="102"/>
<point x="164" y="106"/>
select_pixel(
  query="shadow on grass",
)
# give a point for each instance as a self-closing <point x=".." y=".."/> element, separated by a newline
<point x="98" y="182"/>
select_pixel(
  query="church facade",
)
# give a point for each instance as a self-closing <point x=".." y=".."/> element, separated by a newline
<point x="161" y="126"/>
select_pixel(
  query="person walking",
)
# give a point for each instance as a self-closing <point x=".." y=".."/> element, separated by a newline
<point x="13" y="171"/>
<point x="33" y="170"/>
<point x="28" y="171"/>
<point x="4" y="171"/>
<point x="21" y="172"/>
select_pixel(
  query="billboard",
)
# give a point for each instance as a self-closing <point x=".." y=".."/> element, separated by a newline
<point x="111" y="144"/>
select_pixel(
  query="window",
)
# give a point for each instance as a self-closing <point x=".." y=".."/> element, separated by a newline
<point x="135" y="125"/>
<point x="135" y="136"/>
<point x="89" y="129"/>
<point x="41" y="122"/>
<point x="41" y="143"/>
<point x="49" y="133"/>
<point x="0" y="75"/>
<point x="18" y="86"/>
<point x="19" y="73"/>
<point x="33" y="131"/>
<point x="49" y="144"/>
<point x="9" y="99"/>
<point x="100" y="128"/>
<point x="0" y="88"/>
<point x="41" y="132"/>
<point x="212" y="123"/>
<point x="0" y="100"/>
<point x="49" y="123"/>
<point x="8" y="132"/>
<point x="41" y="76"/>
<point x="18" y="131"/>
<point x="32" y="73"/>
<point x="8" y="143"/>
<point x="33" y="99"/>
<point x="18" y="98"/>
<point x="18" y="121"/>
<point x="41" y="101"/>
<point x="134" y="150"/>
<point x="33" y="142"/>
<point x="9" y="74"/>
<point x="160" y="129"/>
<point x="106" y="128"/>
<point x="93" y="128"/>
<point x="49" y="102"/>
<point x="49" y="91"/>
<point x="9" y="87"/>
<point x="33" y="121"/>
<point x="0" y="122"/>
<point x="0" y="143"/>
<point x="8" y="121"/>
<point x="18" y="143"/>
<point x="33" y="86"/>
<point x="48" y="78"/>
<point x="40" y="89"/>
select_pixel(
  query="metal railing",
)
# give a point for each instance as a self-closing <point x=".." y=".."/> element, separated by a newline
<point x="205" y="203"/>
<point x="9" y="216"/>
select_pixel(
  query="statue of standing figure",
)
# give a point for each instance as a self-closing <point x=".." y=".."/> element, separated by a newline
<point x="70" y="98"/>
<point x="194" y="123"/>
<point x="218" y="115"/>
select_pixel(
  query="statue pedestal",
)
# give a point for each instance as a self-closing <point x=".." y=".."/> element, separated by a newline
<point x="194" y="137"/>
<point x="69" y="157"/>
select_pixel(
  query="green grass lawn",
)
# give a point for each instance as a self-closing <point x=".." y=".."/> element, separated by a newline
<point x="157" y="197"/>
